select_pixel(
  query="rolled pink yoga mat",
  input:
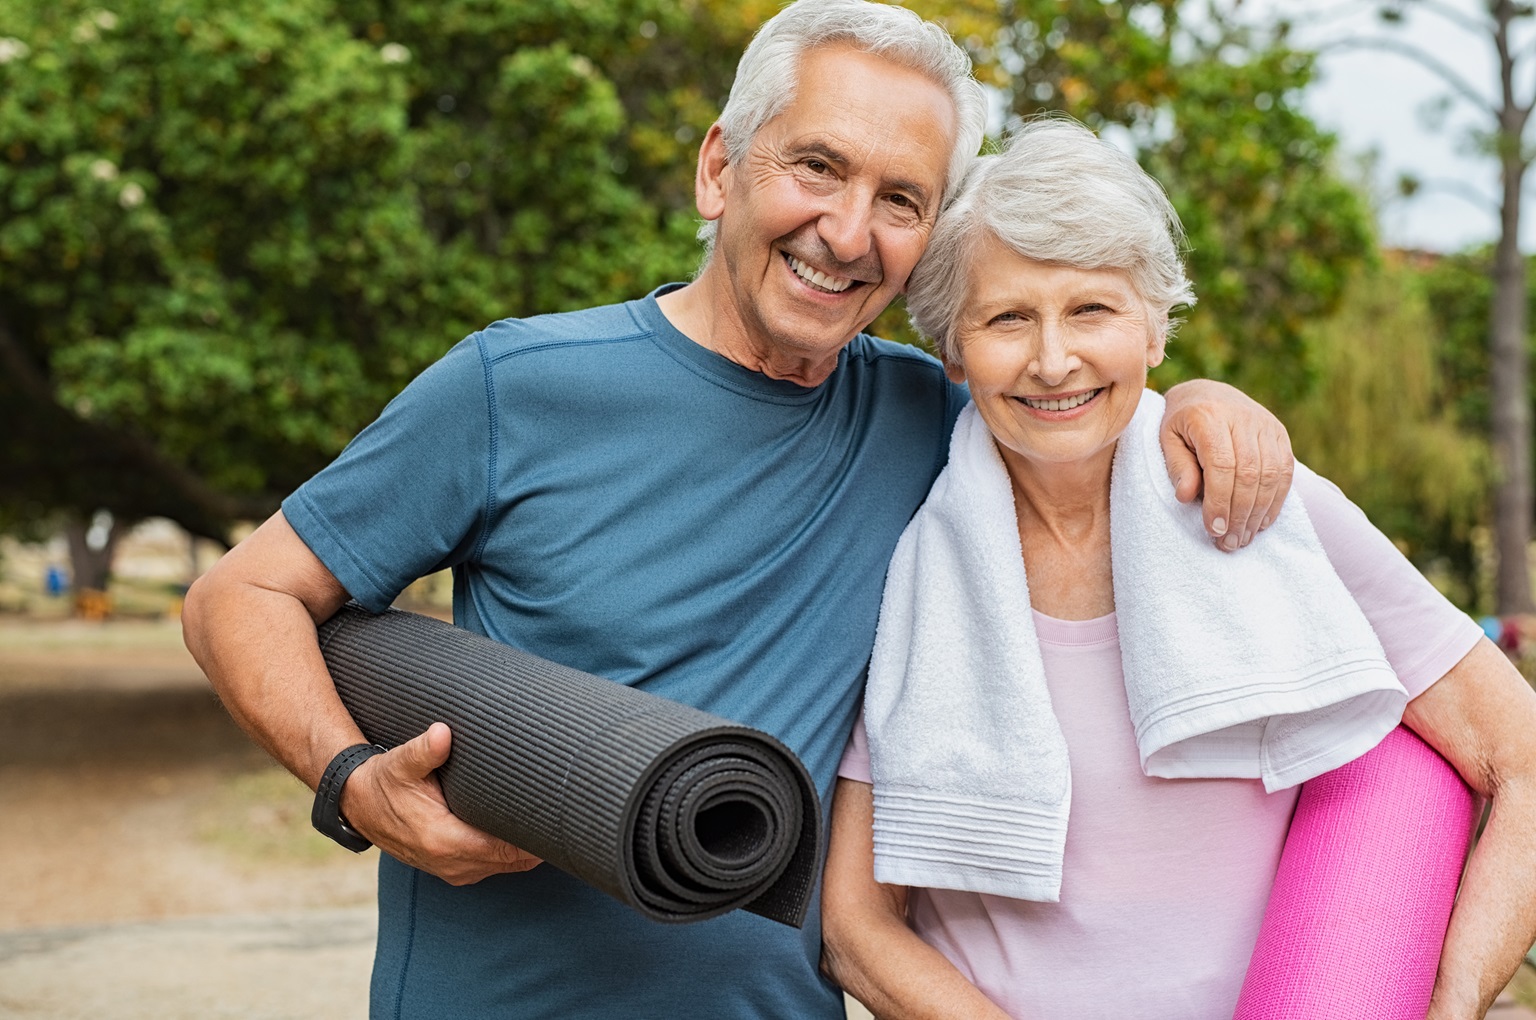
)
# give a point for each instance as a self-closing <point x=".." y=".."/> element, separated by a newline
<point x="1366" y="882"/>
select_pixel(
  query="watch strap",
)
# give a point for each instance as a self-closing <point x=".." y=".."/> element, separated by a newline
<point x="326" y="814"/>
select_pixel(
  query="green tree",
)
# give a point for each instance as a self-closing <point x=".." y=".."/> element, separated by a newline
<point x="229" y="234"/>
<point x="1503" y="117"/>
<point x="1385" y="422"/>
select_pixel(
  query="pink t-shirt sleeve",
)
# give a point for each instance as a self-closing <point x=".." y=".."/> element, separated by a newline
<point x="1423" y="634"/>
<point x="855" y="763"/>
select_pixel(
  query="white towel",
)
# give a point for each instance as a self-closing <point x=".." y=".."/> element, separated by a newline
<point x="1249" y="665"/>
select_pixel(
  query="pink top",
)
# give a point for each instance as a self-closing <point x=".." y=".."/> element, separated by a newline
<point x="1165" y="881"/>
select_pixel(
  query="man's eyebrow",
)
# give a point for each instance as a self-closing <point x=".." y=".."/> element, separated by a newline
<point x="823" y="150"/>
<point x="912" y="188"/>
<point x="840" y="159"/>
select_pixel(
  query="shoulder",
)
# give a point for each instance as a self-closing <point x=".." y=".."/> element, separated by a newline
<point x="605" y="324"/>
<point x="1422" y="633"/>
<point x="911" y="370"/>
<point x="893" y="356"/>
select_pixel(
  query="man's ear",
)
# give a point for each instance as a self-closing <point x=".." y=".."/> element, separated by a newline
<point x="709" y="184"/>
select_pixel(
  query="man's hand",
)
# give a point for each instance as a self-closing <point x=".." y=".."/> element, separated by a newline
<point x="1229" y="451"/>
<point x="394" y="799"/>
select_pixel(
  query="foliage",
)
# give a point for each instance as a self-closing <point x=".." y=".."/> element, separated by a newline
<point x="1502" y="115"/>
<point x="229" y="234"/>
<point x="1459" y="289"/>
<point x="1382" y="423"/>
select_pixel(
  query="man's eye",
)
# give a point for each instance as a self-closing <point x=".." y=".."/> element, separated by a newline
<point x="816" y="166"/>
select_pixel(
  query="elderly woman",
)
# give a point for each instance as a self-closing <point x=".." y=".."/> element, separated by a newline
<point x="1032" y="821"/>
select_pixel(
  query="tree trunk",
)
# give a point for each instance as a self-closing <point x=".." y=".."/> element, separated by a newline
<point x="92" y="544"/>
<point x="1508" y="371"/>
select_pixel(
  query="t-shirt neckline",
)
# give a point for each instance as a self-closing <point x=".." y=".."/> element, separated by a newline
<point x="716" y="367"/>
<point x="1056" y="631"/>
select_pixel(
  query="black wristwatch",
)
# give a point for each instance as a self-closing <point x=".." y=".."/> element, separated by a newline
<point x="326" y="814"/>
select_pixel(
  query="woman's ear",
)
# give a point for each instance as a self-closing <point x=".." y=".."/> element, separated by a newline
<point x="709" y="183"/>
<point x="1157" y="343"/>
<point x="953" y="369"/>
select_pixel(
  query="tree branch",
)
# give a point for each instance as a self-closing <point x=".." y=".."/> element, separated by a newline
<point x="1458" y="188"/>
<point x="85" y="464"/>
<point x="1424" y="59"/>
<point x="1479" y="27"/>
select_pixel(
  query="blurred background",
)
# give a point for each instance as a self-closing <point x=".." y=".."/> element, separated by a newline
<point x="230" y="232"/>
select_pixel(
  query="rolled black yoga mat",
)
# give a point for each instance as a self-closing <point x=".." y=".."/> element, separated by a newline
<point x="678" y="813"/>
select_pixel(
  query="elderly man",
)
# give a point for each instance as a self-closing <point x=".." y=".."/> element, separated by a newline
<point x="695" y="492"/>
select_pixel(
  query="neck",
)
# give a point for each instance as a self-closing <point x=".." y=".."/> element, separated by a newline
<point x="1065" y="503"/>
<point x="704" y="312"/>
<point x="1063" y="517"/>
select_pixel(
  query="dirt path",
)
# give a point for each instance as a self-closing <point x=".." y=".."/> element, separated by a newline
<point x="158" y="864"/>
<point x="129" y="795"/>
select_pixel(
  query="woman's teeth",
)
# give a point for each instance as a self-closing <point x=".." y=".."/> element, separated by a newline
<point x="1048" y="404"/>
<point x="815" y="277"/>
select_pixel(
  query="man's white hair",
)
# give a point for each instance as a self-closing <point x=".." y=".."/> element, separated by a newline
<point x="1057" y="194"/>
<point x="766" y="76"/>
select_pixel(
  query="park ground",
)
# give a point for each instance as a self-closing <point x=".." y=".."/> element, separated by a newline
<point x="157" y="864"/>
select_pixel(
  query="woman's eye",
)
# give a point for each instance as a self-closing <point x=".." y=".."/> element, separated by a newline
<point x="1093" y="306"/>
<point x="1004" y="317"/>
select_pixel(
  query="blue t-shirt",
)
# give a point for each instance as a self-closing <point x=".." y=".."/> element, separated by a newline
<point x="615" y="497"/>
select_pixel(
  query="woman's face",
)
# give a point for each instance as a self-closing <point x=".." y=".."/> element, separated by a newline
<point x="1056" y="358"/>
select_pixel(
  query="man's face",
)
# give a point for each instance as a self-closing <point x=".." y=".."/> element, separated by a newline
<point x="824" y="219"/>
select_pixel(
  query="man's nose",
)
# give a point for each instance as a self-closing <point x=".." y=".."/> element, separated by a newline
<point x="847" y="225"/>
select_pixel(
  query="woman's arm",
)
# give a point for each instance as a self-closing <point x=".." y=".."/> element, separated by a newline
<point x="1481" y="716"/>
<point x="867" y="946"/>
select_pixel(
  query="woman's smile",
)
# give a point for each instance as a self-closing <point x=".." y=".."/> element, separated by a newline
<point x="1061" y="406"/>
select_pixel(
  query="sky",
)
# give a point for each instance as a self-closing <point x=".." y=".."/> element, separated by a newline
<point x="1376" y="103"/>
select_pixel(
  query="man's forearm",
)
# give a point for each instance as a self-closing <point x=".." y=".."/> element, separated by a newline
<point x="259" y="651"/>
<point x="250" y="624"/>
<point x="1494" y="922"/>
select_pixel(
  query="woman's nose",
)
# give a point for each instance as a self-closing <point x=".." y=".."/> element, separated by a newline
<point x="1053" y="361"/>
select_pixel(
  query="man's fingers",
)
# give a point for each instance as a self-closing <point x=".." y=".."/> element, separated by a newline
<point x="1247" y="481"/>
<point x="418" y="757"/>
<point x="404" y="813"/>
<point x="1203" y="463"/>
<point x="1183" y="468"/>
<point x="1275" y="485"/>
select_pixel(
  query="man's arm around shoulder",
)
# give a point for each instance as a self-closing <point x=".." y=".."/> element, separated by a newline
<point x="251" y="623"/>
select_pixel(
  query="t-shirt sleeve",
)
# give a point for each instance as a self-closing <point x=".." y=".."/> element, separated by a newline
<point x="407" y="497"/>
<point x="1423" y="634"/>
<point x="855" y="763"/>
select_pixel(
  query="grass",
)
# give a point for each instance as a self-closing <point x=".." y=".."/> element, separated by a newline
<point x="262" y="818"/>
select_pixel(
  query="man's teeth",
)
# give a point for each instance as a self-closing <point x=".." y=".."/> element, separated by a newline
<point x="815" y="277"/>
<point x="1043" y="404"/>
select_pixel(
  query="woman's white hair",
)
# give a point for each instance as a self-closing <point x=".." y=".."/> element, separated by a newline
<point x="1059" y="194"/>
<point x="766" y="76"/>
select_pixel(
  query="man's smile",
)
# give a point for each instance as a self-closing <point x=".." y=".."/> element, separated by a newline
<point x="816" y="278"/>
